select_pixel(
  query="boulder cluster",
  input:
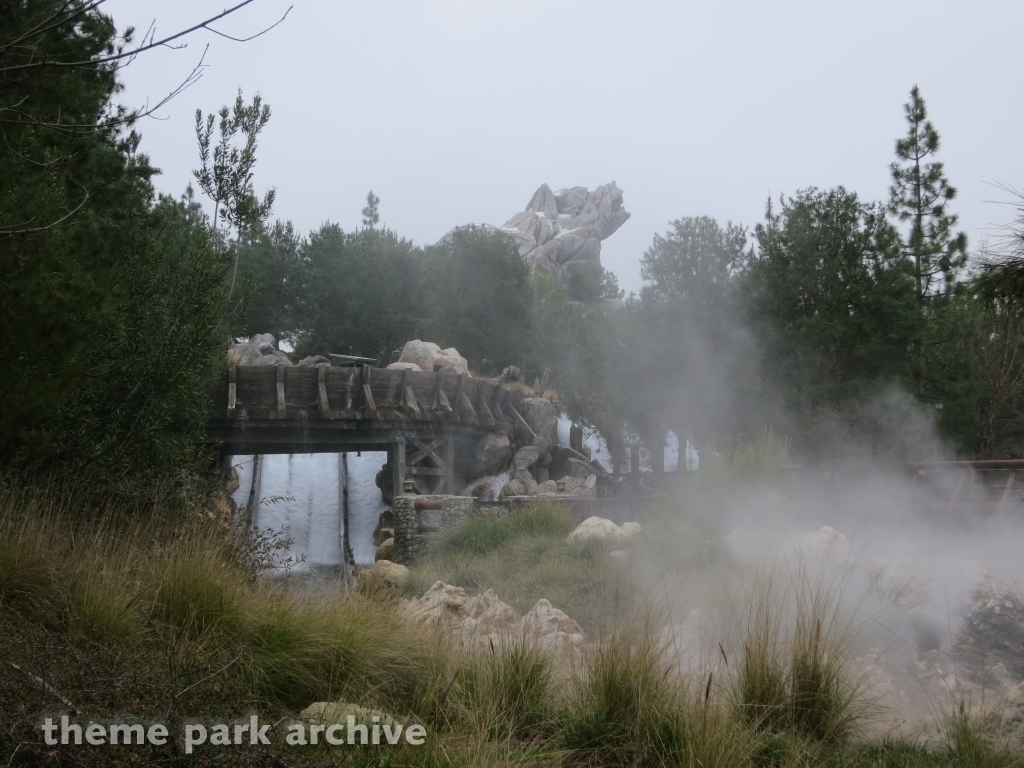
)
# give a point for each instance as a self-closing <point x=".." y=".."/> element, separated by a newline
<point x="535" y="465"/>
<point x="426" y="356"/>
<point x="262" y="349"/>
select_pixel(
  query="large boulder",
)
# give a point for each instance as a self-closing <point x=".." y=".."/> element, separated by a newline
<point x="243" y="354"/>
<point x="314" y="361"/>
<point x="525" y="458"/>
<point x="603" y="529"/>
<point x="490" y="622"/>
<point x="514" y="488"/>
<point x="489" y="456"/>
<point x="404" y="367"/>
<point x="542" y="416"/>
<point x="428" y="356"/>
<point x="386" y="551"/>
<point x="385" y="574"/>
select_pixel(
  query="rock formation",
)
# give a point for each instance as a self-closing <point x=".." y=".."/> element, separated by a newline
<point x="426" y="356"/>
<point x="487" y="620"/>
<point x="563" y="228"/>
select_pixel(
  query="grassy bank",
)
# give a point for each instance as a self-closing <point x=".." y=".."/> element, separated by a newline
<point x="113" y="613"/>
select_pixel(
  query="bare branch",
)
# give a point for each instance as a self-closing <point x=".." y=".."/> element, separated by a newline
<point x="163" y="42"/>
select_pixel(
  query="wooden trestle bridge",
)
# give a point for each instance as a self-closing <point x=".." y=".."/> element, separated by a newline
<point x="419" y="418"/>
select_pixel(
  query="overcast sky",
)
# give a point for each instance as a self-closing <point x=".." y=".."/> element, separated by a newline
<point x="455" y="111"/>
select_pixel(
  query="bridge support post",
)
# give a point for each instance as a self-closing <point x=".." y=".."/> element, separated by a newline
<point x="397" y="461"/>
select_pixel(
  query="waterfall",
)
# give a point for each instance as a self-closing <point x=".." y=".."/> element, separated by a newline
<point x="300" y="495"/>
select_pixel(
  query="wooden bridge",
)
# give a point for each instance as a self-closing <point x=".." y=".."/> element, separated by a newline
<point x="419" y="418"/>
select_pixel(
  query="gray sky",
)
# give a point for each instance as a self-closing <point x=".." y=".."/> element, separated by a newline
<point x="455" y="111"/>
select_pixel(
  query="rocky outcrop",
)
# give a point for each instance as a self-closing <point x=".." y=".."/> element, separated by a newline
<point x="490" y="455"/>
<point x="542" y="416"/>
<point x="314" y="361"/>
<point x="385" y="575"/>
<point x="428" y="356"/>
<point x="261" y="349"/>
<point x="560" y="229"/>
<point x="487" y="620"/>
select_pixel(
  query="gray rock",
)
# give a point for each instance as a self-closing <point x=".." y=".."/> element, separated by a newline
<point x="578" y="468"/>
<point x="386" y="550"/>
<point x="285" y="360"/>
<point x="429" y="356"/>
<point x="527" y="480"/>
<point x="243" y="354"/>
<point x="314" y="361"/>
<point x="404" y="367"/>
<point x="265" y="348"/>
<point x="525" y="457"/>
<point x="548" y="486"/>
<point x="542" y="416"/>
<point x="490" y="455"/>
<point x="513" y="488"/>
<point x="543" y="476"/>
<point x="261" y="338"/>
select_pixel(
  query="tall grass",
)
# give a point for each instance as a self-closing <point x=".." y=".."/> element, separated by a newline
<point x="798" y="678"/>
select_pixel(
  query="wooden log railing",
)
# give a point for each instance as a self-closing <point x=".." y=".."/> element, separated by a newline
<point x="281" y="392"/>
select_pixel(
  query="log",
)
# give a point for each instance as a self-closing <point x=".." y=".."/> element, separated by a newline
<point x="321" y="390"/>
<point x="281" y="407"/>
<point x="232" y="386"/>
<point x="438" y="391"/>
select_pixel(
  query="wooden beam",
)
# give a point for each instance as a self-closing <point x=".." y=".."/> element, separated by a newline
<point x="232" y="386"/>
<point x="442" y="398"/>
<point x="368" y="405"/>
<point x="321" y="389"/>
<point x="520" y="423"/>
<point x="281" y="407"/>
<point x="397" y="469"/>
<point x="449" y="463"/>
<point x="438" y="391"/>
<point x="459" y="386"/>
<point x="484" y="413"/>
<point x="401" y="386"/>
<point x="435" y="471"/>
<point x="465" y="408"/>
<point x="543" y="382"/>
<point x="410" y="400"/>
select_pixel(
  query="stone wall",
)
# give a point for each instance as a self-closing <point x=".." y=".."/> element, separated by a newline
<point x="418" y="518"/>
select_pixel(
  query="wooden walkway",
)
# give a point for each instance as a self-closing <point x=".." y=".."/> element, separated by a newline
<point x="419" y="418"/>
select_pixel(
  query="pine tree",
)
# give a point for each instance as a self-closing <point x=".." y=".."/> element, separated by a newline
<point x="370" y="215"/>
<point x="919" y="194"/>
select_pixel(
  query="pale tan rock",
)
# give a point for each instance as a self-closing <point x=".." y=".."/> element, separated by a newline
<point x="603" y="529"/>
<point x="386" y="550"/>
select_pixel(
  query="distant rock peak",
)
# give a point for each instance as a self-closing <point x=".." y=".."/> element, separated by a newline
<point x="563" y="228"/>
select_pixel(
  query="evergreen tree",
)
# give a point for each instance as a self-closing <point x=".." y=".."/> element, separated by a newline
<point x="919" y="194"/>
<point x="833" y="300"/>
<point x="371" y="217"/>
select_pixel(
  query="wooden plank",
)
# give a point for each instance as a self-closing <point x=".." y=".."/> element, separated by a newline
<point x="459" y="387"/>
<point x="368" y="405"/>
<point x="232" y="386"/>
<point x="410" y="400"/>
<point x="281" y="407"/>
<point x="483" y="411"/>
<point x="427" y="451"/>
<point x="543" y="382"/>
<point x="424" y="471"/>
<point x="446" y="407"/>
<point x="321" y="389"/>
<point x="438" y="391"/>
<point x="397" y="468"/>
<point x="449" y="463"/>
<point x="466" y="410"/>
<point x="521" y="424"/>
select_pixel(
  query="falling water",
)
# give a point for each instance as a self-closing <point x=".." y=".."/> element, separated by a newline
<point x="300" y="495"/>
